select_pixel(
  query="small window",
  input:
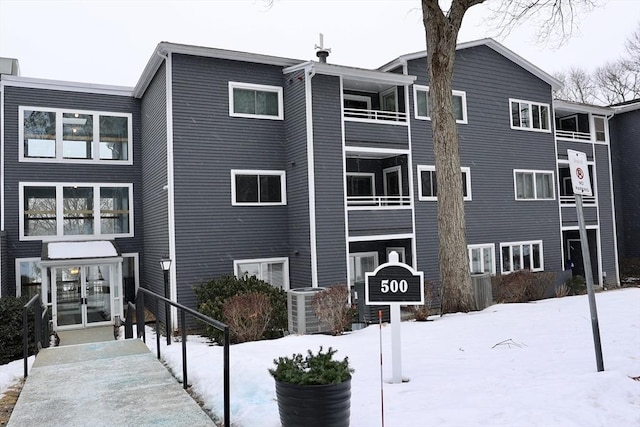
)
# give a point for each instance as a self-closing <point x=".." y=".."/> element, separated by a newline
<point x="361" y="263"/>
<point x="422" y="104"/>
<point x="257" y="101"/>
<point x="482" y="258"/>
<point x="521" y="256"/>
<point x="29" y="277"/>
<point x="274" y="271"/>
<point x="256" y="188"/>
<point x="529" y="115"/>
<point x="599" y="129"/>
<point x="534" y="185"/>
<point x="361" y="184"/>
<point x="428" y="189"/>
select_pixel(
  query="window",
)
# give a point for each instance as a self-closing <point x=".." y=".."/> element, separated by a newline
<point x="428" y="189"/>
<point x="29" y="277"/>
<point x="258" y="187"/>
<point x="566" y="195"/>
<point x="529" y="115"/>
<point x="482" y="258"/>
<point x="361" y="184"/>
<point x="361" y="263"/>
<point x="521" y="256"/>
<point x="72" y="211"/>
<point x="53" y="135"/>
<point x="599" y="128"/>
<point x="256" y="101"/>
<point x="533" y="185"/>
<point x="422" y="105"/>
<point x="274" y="271"/>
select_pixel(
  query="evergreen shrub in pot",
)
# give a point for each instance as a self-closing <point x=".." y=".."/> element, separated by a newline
<point x="313" y="390"/>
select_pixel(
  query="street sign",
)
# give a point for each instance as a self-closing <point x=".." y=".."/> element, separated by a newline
<point x="579" y="173"/>
<point x="394" y="283"/>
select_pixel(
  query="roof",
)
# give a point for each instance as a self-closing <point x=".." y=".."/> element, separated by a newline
<point x="373" y="76"/>
<point x="578" y="107"/>
<point x="165" y="48"/>
<point x="625" y="107"/>
<point x="538" y="72"/>
<point x="54" y="253"/>
<point x="34" y="83"/>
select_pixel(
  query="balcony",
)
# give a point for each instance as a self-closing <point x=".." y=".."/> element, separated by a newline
<point x="573" y="135"/>
<point x="388" y="117"/>
<point x="571" y="200"/>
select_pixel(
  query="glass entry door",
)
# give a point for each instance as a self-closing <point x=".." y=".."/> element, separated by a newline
<point x="83" y="295"/>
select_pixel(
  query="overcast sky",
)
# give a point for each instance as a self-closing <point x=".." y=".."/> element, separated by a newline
<point x="109" y="42"/>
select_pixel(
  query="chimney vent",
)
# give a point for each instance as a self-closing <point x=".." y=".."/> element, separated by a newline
<point x="9" y="66"/>
<point x="322" y="52"/>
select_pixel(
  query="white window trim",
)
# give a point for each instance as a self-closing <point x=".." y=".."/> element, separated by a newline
<point x="535" y="192"/>
<point x="392" y="90"/>
<point x="59" y="210"/>
<point x="261" y="88"/>
<point x="467" y="174"/>
<point x="19" y="261"/>
<point x="282" y="260"/>
<point x="258" y="172"/>
<point x="526" y="242"/>
<point x="352" y="255"/>
<point x="385" y="172"/>
<point x="459" y="93"/>
<point x="572" y="116"/>
<point x="367" y="174"/>
<point x="592" y="125"/>
<point x="491" y="247"/>
<point x="59" y="137"/>
<point x="531" y="103"/>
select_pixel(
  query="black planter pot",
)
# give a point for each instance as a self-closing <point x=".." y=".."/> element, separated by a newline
<point x="314" y="405"/>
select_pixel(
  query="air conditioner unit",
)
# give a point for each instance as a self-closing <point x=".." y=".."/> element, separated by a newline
<point x="302" y="318"/>
<point x="482" y="291"/>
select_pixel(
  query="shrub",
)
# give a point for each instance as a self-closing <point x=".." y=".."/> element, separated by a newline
<point x="332" y="307"/>
<point x="562" y="290"/>
<point x="521" y="286"/>
<point x="577" y="285"/>
<point x="317" y="368"/>
<point x="212" y="295"/>
<point x="630" y="268"/>
<point x="247" y="315"/>
<point x="11" y="329"/>
<point x="422" y="312"/>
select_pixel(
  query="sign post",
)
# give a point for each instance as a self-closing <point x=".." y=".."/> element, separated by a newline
<point x="581" y="184"/>
<point x="394" y="284"/>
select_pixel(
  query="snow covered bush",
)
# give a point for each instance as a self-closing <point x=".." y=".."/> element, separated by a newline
<point x="332" y="306"/>
<point x="248" y="316"/>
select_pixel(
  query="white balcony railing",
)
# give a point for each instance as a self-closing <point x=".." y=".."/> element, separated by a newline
<point x="375" y="115"/>
<point x="571" y="200"/>
<point x="568" y="134"/>
<point x="378" y="201"/>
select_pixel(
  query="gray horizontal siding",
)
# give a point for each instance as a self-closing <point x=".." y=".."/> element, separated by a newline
<point x="378" y="135"/>
<point x="207" y="145"/>
<point x="584" y="147"/>
<point x="605" y="208"/>
<point x="379" y="222"/>
<point x="16" y="172"/>
<point x="329" y="188"/>
<point x="570" y="215"/>
<point x="492" y="150"/>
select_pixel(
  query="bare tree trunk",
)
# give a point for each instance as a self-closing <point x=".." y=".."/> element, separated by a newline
<point x="441" y="35"/>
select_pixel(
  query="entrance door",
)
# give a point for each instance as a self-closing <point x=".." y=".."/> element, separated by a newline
<point x="82" y="296"/>
<point x="574" y="253"/>
<point x="392" y="185"/>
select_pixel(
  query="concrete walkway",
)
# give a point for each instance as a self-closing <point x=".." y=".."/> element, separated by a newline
<point x="111" y="383"/>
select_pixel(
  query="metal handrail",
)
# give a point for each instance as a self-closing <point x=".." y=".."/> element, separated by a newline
<point x="41" y="328"/>
<point x="570" y="200"/>
<point x="569" y="134"/>
<point x="139" y="308"/>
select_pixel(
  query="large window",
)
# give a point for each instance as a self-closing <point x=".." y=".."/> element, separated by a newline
<point x="258" y="187"/>
<point x="50" y="135"/>
<point x="428" y="189"/>
<point x="422" y="104"/>
<point x="361" y="263"/>
<point x="530" y="115"/>
<point x="522" y="256"/>
<point x="73" y="211"/>
<point x="257" y="101"/>
<point x="274" y="271"/>
<point x="29" y="277"/>
<point x="482" y="258"/>
<point x="533" y="185"/>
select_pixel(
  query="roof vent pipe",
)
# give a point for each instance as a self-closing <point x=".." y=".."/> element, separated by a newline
<point x="322" y="52"/>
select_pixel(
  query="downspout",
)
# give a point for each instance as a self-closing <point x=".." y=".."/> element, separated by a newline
<point x="2" y="89"/>
<point x="173" y="291"/>
<point x="309" y="72"/>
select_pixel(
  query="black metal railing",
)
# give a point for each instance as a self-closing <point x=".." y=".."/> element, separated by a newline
<point x="40" y="326"/>
<point x="140" y="324"/>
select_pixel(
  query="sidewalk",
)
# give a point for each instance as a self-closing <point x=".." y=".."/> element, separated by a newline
<point x="111" y="383"/>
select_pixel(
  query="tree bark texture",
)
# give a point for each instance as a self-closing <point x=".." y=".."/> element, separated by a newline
<point x="441" y="36"/>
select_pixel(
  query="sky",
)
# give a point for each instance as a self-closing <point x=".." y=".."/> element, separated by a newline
<point x="110" y="42"/>
<point x="523" y="365"/>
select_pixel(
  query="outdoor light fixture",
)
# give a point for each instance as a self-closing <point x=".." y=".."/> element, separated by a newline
<point x="165" y="264"/>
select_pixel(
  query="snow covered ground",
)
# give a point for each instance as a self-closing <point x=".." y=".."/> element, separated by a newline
<point x="509" y="365"/>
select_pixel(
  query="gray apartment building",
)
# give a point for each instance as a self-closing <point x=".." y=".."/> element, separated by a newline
<point x="302" y="173"/>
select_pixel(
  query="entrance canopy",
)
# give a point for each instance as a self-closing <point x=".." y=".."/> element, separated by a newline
<point x="59" y="253"/>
